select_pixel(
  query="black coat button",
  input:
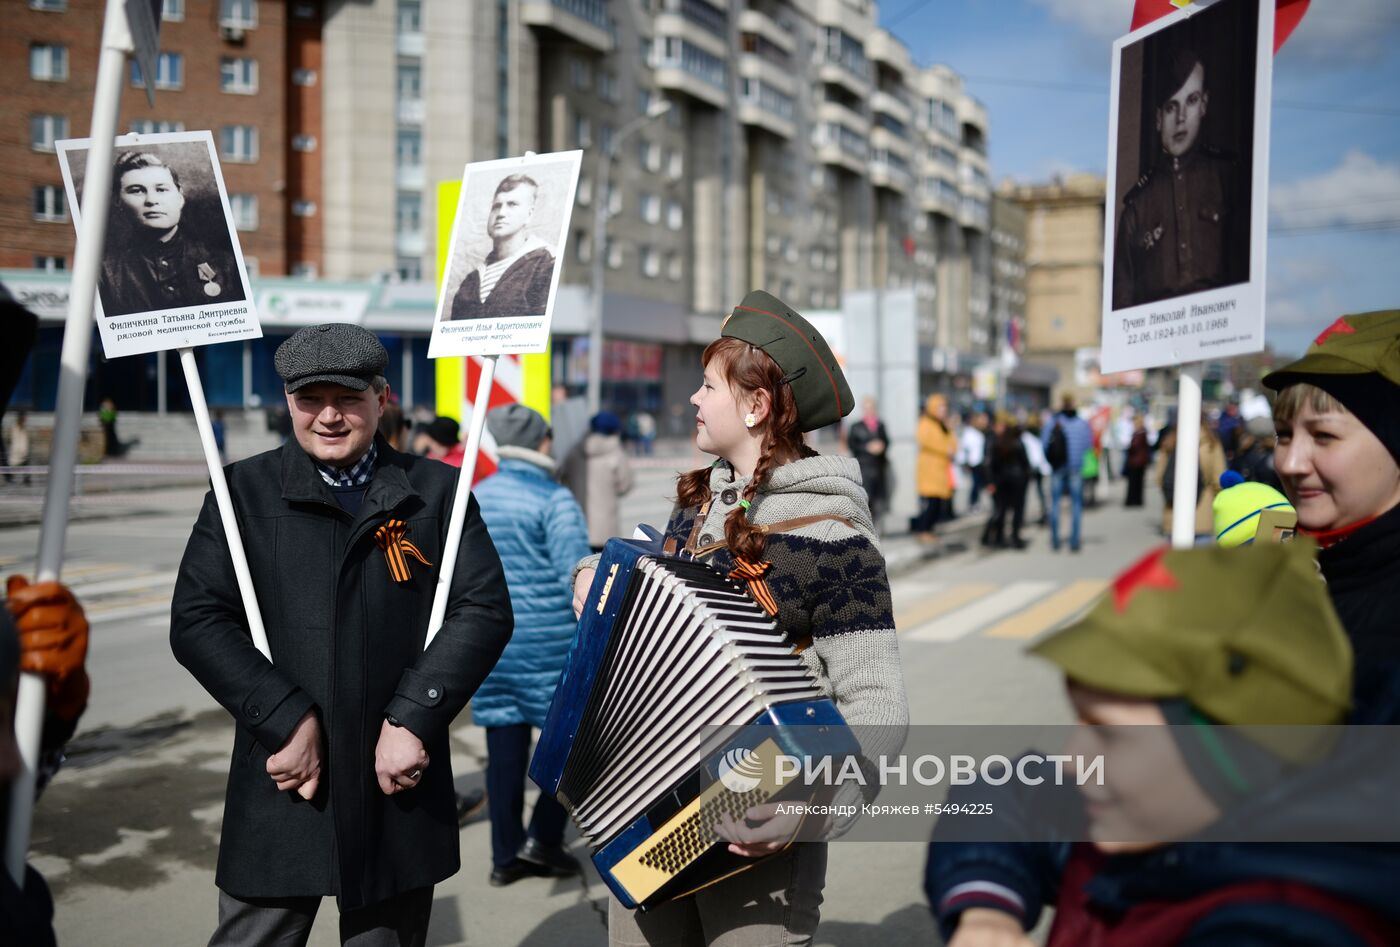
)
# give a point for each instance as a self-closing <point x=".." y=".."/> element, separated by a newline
<point x="729" y="496"/>
<point x="255" y="711"/>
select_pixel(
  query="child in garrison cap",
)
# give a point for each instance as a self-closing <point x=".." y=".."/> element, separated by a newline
<point x="1207" y="640"/>
<point x="1338" y="456"/>
<point x="796" y="528"/>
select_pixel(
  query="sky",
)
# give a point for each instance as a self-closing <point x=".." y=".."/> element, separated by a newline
<point x="1042" y="68"/>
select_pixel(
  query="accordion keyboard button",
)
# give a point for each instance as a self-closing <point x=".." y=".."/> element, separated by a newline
<point x="706" y="539"/>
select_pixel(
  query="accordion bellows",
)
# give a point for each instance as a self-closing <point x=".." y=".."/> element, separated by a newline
<point x="670" y="660"/>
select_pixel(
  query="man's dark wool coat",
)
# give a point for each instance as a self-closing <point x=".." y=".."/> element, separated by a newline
<point x="346" y="641"/>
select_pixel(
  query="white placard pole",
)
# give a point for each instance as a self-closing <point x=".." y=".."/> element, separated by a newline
<point x="225" y="503"/>
<point x="68" y="412"/>
<point x="458" y="519"/>
<point x="1188" y="456"/>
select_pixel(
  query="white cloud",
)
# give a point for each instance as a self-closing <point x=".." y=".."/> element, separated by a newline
<point x="1359" y="191"/>
<point x="1344" y="33"/>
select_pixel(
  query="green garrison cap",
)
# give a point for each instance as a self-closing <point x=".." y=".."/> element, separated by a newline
<point x="818" y="384"/>
<point x="1248" y="636"/>
<point x="1365" y="343"/>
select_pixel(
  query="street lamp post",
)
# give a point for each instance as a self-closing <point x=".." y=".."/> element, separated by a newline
<point x="600" y="238"/>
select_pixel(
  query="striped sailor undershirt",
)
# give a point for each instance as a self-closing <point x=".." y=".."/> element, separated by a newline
<point x="491" y="274"/>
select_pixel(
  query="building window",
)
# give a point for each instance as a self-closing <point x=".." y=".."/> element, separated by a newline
<point x="303" y="142"/>
<point x="253" y="265"/>
<point x="614" y="199"/>
<point x="239" y="76"/>
<point x="607" y="88"/>
<point x="605" y="136"/>
<point x="583" y="247"/>
<point x="50" y="6"/>
<point x="51" y="264"/>
<point x="651" y="262"/>
<point x="408" y="218"/>
<point x="409" y="150"/>
<point x="238" y="14"/>
<point x="304" y="77"/>
<point x="643" y="101"/>
<point x="239" y="142"/>
<point x="303" y="208"/>
<point x="650" y="208"/>
<point x="305" y="270"/>
<point x="44" y="130"/>
<point x="149" y="126"/>
<point x="410" y="82"/>
<point x="675" y="215"/>
<point x="409" y="268"/>
<point x="50" y="203"/>
<point x="649" y="154"/>
<point x="170" y="71"/>
<point x="172" y="11"/>
<point x="410" y="16"/>
<point x="245" y="211"/>
<point x="580" y="74"/>
<point x="304" y="11"/>
<point x="48" y="62"/>
<point x="675" y="269"/>
<point x="676" y="166"/>
<point x="583" y="132"/>
<point x="614" y="254"/>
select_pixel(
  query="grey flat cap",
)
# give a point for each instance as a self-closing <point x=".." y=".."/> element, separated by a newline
<point x="514" y="425"/>
<point x="336" y="352"/>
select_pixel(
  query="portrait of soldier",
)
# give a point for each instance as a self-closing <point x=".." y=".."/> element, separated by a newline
<point x="160" y="261"/>
<point x="515" y="277"/>
<point x="1180" y="229"/>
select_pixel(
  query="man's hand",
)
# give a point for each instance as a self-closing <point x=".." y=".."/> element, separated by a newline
<point x="988" y="927"/>
<point x="53" y="641"/>
<point x="298" y="764"/>
<point x="582" y="583"/>
<point x="399" y="759"/>
<point x="876" y="447"/>
<point x="772" y="833"/>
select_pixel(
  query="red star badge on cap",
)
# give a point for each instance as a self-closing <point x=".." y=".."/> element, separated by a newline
<point x="1149" y="572"/>
<point x="1340" y="327"/>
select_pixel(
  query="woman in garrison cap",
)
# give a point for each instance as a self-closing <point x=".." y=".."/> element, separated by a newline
<point x="1338" y="454"/>
<point x="797" y="526"/>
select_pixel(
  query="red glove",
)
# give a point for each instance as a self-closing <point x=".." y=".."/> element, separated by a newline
<point x="53" y="641"/>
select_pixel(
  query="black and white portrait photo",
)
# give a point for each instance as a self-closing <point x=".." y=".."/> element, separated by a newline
<point x="1185" y="149"/>
<point x="507" y="248"/>
<point x="1185" y="226"/>
<point x="170" y="242"/>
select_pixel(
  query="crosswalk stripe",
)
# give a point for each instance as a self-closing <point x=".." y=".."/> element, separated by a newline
<point x="981" y="612"/>
<point x="1050" y="612"/>
<point x="941" y="604"/>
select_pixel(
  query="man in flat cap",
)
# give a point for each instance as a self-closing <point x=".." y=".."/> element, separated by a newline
<point x="1179" y="230"/>
<point x="340" y="782"/>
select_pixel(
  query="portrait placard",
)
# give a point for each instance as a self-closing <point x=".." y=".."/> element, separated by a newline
<point x="1185" y="227"/>
<point x="172" y="270"/>
<point x="507" y="250"/>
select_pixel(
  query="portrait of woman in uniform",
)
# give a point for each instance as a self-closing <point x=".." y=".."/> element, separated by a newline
<point x="170" y="242"/>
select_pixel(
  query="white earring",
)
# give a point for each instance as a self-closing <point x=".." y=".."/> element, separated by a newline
<point x="750" y="420"/>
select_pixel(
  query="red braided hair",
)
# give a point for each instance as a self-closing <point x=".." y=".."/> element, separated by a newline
<point x="748" y="369"/>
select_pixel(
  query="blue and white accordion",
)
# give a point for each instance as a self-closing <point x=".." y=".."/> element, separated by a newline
<point x="679" y="694"/>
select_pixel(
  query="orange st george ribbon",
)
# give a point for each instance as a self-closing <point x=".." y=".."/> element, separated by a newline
<point x="397" y="549"/>
<point x="752" y="573"/>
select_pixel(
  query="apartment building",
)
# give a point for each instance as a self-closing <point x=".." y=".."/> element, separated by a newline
<point x="1064" y="268"/>
<point x="802" y="151"/>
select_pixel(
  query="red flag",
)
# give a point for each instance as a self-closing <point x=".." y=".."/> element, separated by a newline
<point x="1286" y="18"/>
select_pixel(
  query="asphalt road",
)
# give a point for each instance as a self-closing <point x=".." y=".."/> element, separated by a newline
<point x="128" y="833"/>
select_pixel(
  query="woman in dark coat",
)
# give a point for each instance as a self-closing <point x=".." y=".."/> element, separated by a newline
<point x="1135" y="464"/>
<point x="1010" y="472"/>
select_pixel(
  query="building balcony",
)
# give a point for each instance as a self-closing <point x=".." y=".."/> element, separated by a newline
<point x="888" y="172"/>
<point x="839" y="146"/>
<point x="883" y="138"/>
<point x="974" y="214"/>
<point x="883" y="48"/>
<point x="586" y="22"/>
<point x="409" y="45"/>
<point x="838" y="113"/>
<point x="760" y="24"/>
<point x="755" y="66"/>
<point x="893" y="106"/>
<point x="676" y="27"/>
<point x="839" y="73"/>
<point x="755" y="114"/>
<point x="411" y="112"/>
<point x="937" y="196"/>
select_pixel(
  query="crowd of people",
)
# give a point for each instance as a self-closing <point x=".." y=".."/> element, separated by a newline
<point x="340" y="780"/>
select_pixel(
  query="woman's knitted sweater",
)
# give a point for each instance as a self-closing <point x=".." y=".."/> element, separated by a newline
<point x="829" y="582"/>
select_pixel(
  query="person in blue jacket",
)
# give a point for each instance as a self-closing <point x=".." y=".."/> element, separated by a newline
<point x="540" y="532"/>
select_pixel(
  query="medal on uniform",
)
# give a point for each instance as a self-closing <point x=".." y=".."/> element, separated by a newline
<point x="206" y="275"/>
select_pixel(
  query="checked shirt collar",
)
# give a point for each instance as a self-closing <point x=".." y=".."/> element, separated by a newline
<point x="356" y="475"/>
